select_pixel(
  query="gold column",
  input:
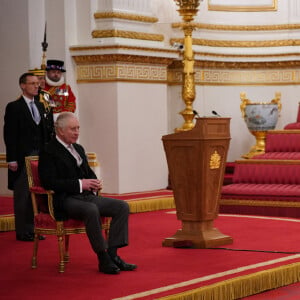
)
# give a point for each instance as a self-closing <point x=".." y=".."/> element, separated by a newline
<point x="187" y="10"/>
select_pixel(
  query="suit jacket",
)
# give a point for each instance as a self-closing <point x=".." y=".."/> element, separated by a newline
<point x="59" y="172"/>
<point x="22" y="135"/>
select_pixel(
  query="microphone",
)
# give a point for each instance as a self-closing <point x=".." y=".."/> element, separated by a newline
<point x="216" y="114"/>
<point x="196" y="113"/>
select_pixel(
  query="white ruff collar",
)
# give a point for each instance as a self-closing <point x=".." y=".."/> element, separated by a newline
<point x="55" y="83"/>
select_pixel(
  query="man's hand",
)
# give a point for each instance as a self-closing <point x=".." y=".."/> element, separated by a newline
<point x="93" y="185"/>
<point x="13" y="166"/>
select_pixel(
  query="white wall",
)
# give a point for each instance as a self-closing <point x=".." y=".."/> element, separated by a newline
<point x="123" y="123"/>
<point x="142" y="122"/>
<point x="99" y="124"/>
<point x="14" y="60"/>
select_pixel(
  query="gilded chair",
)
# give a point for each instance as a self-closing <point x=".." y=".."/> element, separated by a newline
<point x="44" y="220"/>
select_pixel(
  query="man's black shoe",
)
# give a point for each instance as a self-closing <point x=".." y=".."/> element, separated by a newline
<point x="27" y="237"/>
<point x="108" y="268"/>
<point x="124" y="266"/>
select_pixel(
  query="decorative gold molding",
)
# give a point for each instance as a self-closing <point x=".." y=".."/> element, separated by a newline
<point x="123" y="47"/>
<point x="277" y="55"/>
<point x="3" y="163"/>
<point x="124" y="58"/>
<point x="148" y="69"/>
<point x="240" y="44"/>
<point x="242" y="202"/>
<point x="121" y="67"/>
<point x="92" y="158"/>
<point x="162" y="50"/>
<point x="218" y="27"/>
<point x="120" y="15"/>
<point x="238" y="77"/>
<point x="264" y="65"/>
<point x="252" y="44"/>
<point x="121" y="72"/>
<point x="127" y="35"/>
<point x="272" y="6"/>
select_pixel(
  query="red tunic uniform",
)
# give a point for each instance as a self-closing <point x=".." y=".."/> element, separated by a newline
<point x="63" y="97"/>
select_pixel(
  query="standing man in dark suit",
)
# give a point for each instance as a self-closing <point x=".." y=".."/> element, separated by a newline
<point x="25" y="132"/>
<point x="64" y="168"/>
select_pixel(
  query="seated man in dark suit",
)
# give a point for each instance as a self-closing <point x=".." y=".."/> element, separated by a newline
<point x="63" y="168"/>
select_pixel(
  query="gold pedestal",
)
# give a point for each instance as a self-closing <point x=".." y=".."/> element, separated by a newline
<point x="259" y="147"/>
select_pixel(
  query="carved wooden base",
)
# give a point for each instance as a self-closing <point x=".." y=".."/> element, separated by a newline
<point x="197" y="235"/>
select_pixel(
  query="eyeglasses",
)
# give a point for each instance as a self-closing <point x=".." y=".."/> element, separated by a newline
<point x="33" y="83"/>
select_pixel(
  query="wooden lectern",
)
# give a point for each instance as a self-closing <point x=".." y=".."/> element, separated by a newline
<point x="196" y="161"/>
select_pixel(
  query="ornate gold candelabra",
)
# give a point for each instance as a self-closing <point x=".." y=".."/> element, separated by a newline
<point x="187" y="10"/>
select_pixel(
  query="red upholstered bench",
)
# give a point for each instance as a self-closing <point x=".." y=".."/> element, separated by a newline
<point x="281" y="144"/>
<point x="263" y="187"/>
<point x="229" y="170"/>
<point x="295" y="125"/>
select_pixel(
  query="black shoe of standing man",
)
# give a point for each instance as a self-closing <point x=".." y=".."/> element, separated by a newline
<point x="26" y="237"/>
<point x="29" y="237"/>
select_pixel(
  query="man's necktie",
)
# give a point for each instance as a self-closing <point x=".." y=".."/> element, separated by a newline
<point x="75" y="154"/>
<point x="35" y="113"/>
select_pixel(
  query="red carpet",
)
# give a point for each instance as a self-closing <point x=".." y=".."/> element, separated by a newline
<point x="161" y="271"/>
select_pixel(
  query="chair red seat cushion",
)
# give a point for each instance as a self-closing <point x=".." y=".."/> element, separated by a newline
<point x="45" y="221"/>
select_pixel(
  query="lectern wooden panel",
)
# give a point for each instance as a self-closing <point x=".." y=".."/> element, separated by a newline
<point x="196" y="161"/>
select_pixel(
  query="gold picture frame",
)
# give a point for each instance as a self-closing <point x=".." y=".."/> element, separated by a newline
<point x="242" y="5"/>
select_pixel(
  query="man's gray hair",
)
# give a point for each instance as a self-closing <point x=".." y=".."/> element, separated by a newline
<point x="62" y="119"/>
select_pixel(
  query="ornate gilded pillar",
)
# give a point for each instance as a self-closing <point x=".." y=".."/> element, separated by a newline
<point x="187" y="10"/>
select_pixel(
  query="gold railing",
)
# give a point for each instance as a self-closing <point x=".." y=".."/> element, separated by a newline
<point x="92" y="158"/>
<point x="3" y="163"/>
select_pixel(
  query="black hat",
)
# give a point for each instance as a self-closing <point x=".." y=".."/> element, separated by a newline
<point x="53" y="64"/>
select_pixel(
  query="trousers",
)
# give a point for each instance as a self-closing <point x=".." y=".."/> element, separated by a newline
<point x="89" y="208"/>
<point x="22" y="206"/>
